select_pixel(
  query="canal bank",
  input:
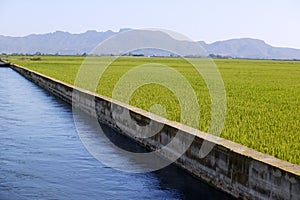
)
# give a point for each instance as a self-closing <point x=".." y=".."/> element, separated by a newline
<point x="4" y="64"/>
<point x="231" y="167"/>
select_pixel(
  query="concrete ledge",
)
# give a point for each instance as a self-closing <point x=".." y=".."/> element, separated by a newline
<point x="4" y="64"/>
<point x="234" y="168"/>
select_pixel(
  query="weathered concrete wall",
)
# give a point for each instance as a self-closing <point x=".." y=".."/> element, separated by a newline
<point x="4" y="64"/>
<point x="234" y="168"/>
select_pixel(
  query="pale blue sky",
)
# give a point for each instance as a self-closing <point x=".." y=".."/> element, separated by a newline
<point x="275" y="21"/>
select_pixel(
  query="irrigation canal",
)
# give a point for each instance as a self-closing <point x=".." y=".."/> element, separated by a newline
<point x="42" y="157"/>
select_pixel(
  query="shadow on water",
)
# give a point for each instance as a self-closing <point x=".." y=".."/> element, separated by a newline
<point x="171" y="178"/>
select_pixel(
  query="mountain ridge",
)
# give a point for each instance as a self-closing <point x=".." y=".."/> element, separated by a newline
<point x="65" y="43"/>
<point x="250" y="48"/>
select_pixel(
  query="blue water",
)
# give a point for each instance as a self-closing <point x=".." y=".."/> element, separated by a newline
<point x="42" y="157"/>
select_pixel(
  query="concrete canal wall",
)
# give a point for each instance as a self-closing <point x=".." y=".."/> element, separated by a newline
<point x="3" y="64"/>
<point x="234" y="168"/>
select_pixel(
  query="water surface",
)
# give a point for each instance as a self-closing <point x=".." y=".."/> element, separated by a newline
<point x="42" y="157"/>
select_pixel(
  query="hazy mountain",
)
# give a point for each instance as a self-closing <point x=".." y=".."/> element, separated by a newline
<point x="67" y="43"/>
<point x="52" y="43"/>
<point x="250" y="48"/>
<point x="149" y="43"/>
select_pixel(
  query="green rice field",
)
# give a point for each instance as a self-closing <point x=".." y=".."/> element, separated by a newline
<point x="263" y="96"/>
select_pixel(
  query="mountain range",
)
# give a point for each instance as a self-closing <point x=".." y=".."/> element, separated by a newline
<point x="65" y="43"/>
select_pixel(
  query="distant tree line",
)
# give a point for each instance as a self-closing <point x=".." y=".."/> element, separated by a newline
<point x="219" y="56"/>
<point x="39" y="54"/>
